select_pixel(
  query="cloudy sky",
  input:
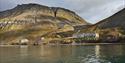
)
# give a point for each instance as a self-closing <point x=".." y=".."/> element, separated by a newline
<point x="90" y="10"/>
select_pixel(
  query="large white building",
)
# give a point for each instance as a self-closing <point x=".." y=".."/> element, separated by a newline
<point x="86" y="35"/>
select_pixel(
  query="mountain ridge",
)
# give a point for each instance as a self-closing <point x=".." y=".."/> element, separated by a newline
<point x="112" y="26"/>
<point x="35" y="8"/>
<point x="119" y="17"/>
<point x="31" y="21"/>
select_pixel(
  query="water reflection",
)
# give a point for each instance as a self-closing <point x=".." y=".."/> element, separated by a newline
<point x="63" y="54"/>
<point x="97" y="51"/>
<point x="23" y="51"/>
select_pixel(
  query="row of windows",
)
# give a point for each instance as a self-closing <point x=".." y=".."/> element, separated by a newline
<point x="85" y="35"/>
<point x="2" y="24"/>
<point x="85" y="38"/>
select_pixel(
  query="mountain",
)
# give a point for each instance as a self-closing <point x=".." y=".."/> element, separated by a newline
<point x="30" y="11"/>
<point x="116" y="20"/>
<point x="33" y="20"/>
<point x="111" y="26"/>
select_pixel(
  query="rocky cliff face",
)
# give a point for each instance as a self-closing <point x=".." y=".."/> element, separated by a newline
<point x="34" y="20"/>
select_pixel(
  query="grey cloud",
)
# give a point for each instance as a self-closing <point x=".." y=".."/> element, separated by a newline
<point x="96" y="10"/>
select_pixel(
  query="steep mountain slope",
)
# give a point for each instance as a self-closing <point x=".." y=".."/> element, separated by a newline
<point x="30" y="11"/>
<point x="111" y="26"/>
<point x="116" y="20"/>
<point x="33" y="20"/>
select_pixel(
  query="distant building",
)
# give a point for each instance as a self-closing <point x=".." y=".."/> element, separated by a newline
<point x="24" y="41"/>
<point x="95" y="36"/>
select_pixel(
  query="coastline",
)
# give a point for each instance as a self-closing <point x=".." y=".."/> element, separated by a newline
<point x="83" y="44"/>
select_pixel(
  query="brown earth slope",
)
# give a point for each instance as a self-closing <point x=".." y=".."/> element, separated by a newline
<point x="34" y="20"/>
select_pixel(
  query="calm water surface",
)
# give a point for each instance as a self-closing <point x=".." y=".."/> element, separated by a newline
<point x="63" y="54"/>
